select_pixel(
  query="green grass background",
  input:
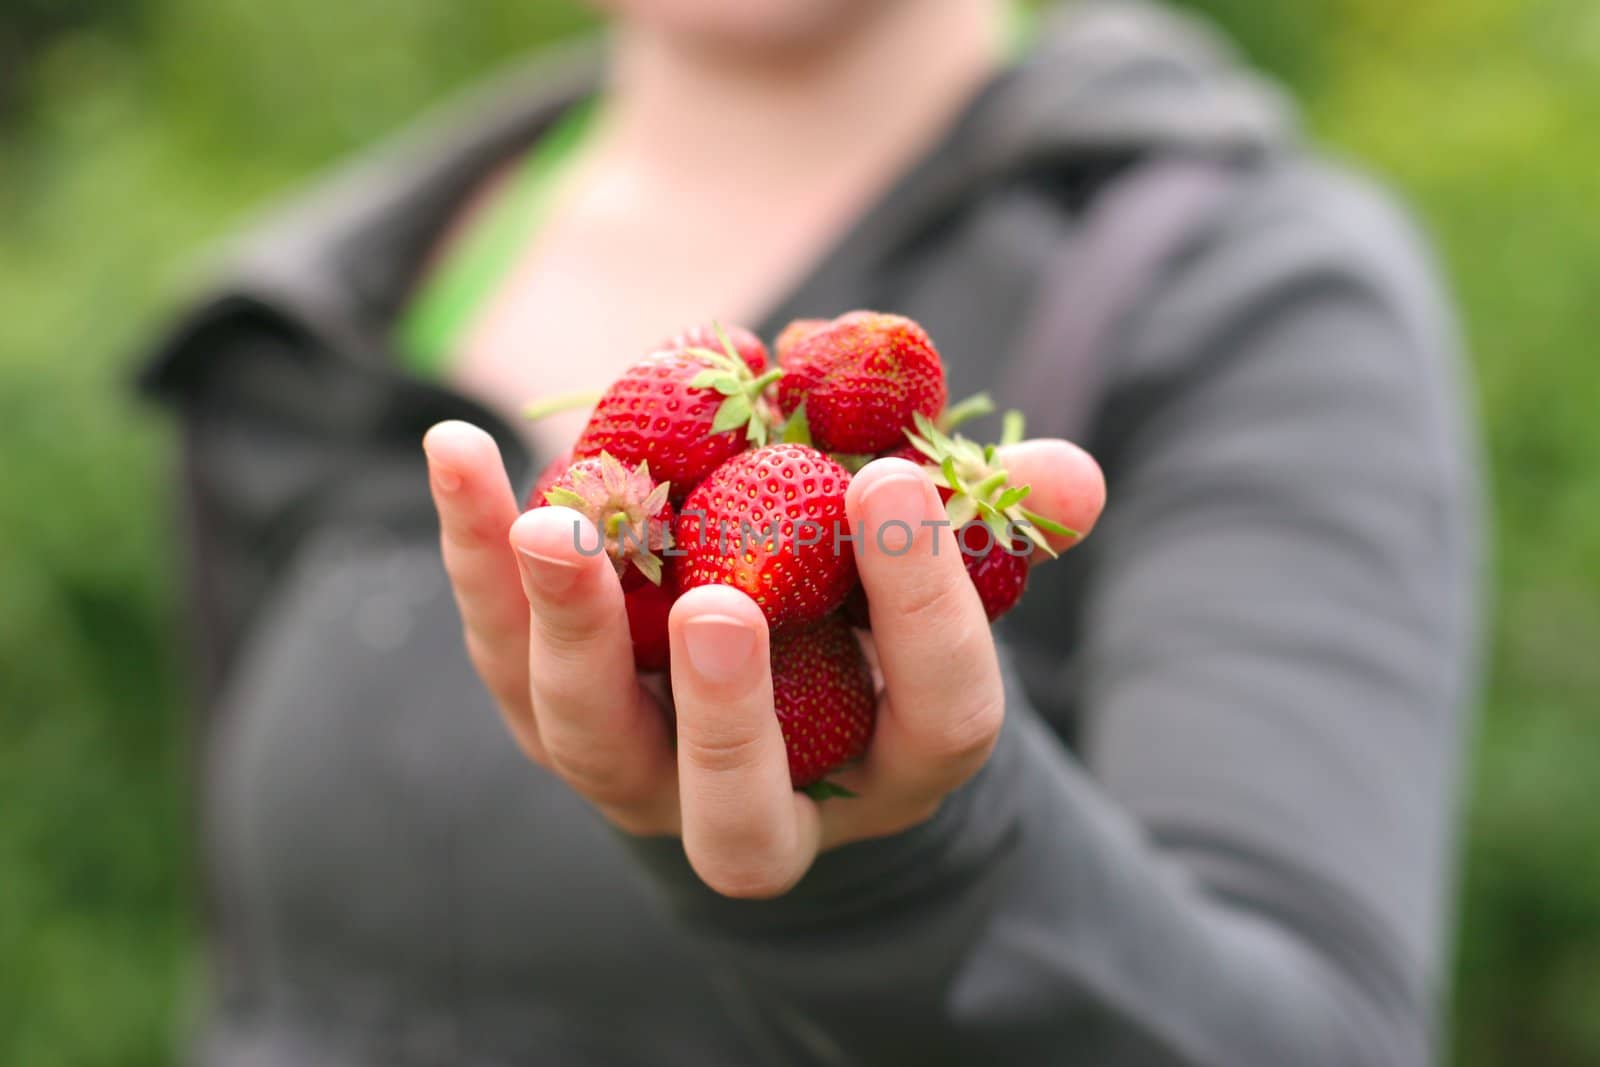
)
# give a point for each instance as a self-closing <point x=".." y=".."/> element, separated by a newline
<point x="132" y="132"/>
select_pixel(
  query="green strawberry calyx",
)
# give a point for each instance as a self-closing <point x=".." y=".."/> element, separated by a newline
<point x="797" y="428"/>
<point x="823" y="789"/>
<point x="980" y="488"/>
<point x="744" y="401"/>
<point x="627" y="507"/>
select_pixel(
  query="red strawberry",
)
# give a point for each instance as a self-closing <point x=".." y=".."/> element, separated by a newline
<point x="908" y="453"/>
<point x="999" y="576"/>
<point x="766" y="522"/>
<point x="706" y="335"/>
<point x="986" y="510"/>
<point x="648" y="607"/>
<point x="628" y="508"/>
<point x="822" y="692"/>
<point x="685" y="411"/>
<point x="971" y="408"/>
<point x="862" y="378"/>
<point x="974" y="485"/>
<point x="793" y="333"/>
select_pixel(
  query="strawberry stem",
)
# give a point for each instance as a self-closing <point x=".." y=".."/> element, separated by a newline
<point x="552" y="405"/>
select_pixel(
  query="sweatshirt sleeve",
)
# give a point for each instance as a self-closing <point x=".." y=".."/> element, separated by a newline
<point x="1246" y="863"/>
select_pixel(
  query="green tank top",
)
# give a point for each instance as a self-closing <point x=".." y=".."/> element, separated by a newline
<point x="431" y="327"/>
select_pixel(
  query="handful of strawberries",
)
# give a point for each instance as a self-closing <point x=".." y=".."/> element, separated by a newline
<point x="702" y="464"/>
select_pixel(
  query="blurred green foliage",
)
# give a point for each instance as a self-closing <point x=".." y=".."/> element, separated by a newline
<point x="131" y="133"/>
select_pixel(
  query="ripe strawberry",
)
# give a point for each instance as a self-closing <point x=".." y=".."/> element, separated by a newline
<point x="793" y="333"/>
<point x="999" y="576"/>
<point x="771" y="522"/>
<point x="908" y="453"/>
<point x="628" y="508"/>
<point x="686" y="411"/>
<point x="648" y="607"/>
<point x="822" y="692"/>
<point x="973" y="407"/>
<point x="986" y="510"/>
<point x="706" y="335"/>
<point x="862" y="378"/>
<point x="975" y="486"/>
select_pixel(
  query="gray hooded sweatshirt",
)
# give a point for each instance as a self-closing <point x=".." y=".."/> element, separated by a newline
<point x="1217" y="828"/>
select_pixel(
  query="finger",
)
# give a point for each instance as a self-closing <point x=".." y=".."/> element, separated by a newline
<point x="745" y="829"/>
<point x="600" y="731"/>
<point x="476" y="507"/>
<point x="1066" y="486"/>
<point x="941" y="675"/>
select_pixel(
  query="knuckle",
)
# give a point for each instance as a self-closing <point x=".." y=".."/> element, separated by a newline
<point x="720" y="751"/>
<point x="465" y="533"/>
<point x="931" y="602"/>
<point x="574" y="676"/>
<point x="562" y="683"/>
<point x="567" y="637"/>
<point x="600" y="774"/>
<point x="969" y="734"/>
<point x="736" y="849"/>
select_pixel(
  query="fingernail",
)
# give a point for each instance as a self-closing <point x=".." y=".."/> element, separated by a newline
<point x="720" y="648"/>
<point x="902" y="497"/>
<point x="547" y="576"/>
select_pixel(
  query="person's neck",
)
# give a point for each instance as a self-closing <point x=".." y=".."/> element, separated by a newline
<point x="871" y="96"/>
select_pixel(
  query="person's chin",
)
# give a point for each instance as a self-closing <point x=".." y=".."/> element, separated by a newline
<point x="751" y="25"/>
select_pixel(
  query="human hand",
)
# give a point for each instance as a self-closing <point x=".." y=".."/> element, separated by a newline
<point x="546" y="630"/>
